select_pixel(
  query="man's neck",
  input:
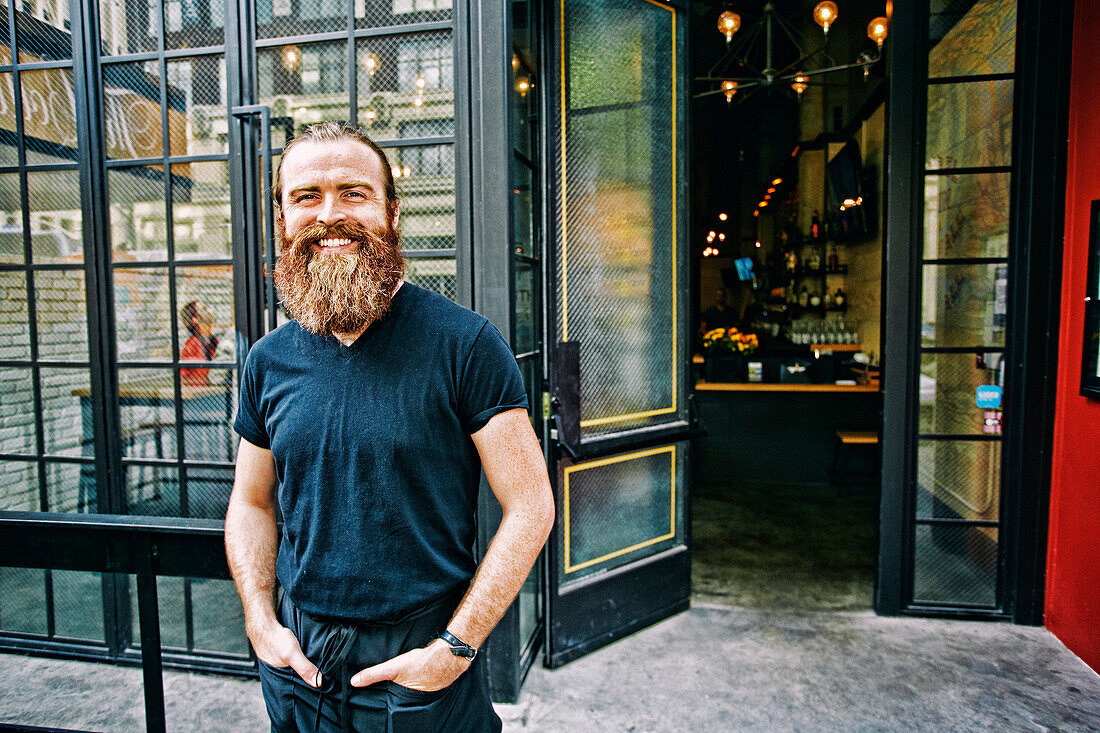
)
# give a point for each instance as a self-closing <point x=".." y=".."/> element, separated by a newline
<point x="347" y="339"/>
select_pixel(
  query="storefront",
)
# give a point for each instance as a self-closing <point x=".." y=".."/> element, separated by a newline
<point x="541" y="153"/>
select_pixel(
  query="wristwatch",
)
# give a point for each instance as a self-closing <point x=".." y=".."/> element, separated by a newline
<point x="458" y="647"/>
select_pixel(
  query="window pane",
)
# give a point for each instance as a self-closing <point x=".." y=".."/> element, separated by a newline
<point x="23" y="600"/>
<point x="132" y="111"/>
<point x="194" y="23"/>
<point x="78" y="604"/>
<point x="208" y="488"/>
<point x="11" y="215"/>
<point x="297" y="17"/>
<point x="966" y="215"/>
<point x="56" y="234"/>
<point x="523" y="210"/>
<point x="146" y="400"/>
<point x="128" y="26"/>
<point x="15" y="333"/>
<point x="525" y="317"/>
<point x="200" y="209"/>
<point x="17" y="413"/>
<point x="143" y="323"/>
<point x="66" y="411"/>
<point x="980" y="41"/>
<point x="18" y="484"/>
<point x="138" y="229"/>
<point x="959" y="479"/>
<point x="196" y="106"/>
<point x="955" y="565"/>
<point x="208" y="435"/>
<point x="433" y="274"/>
<point x="206" y="319"/>
<point x="524" y="102"/>
<point x="9" y="155"/>
<point x="964" y="305"/>
<point x="36" y="26"/>
<point x="425" y="178"/>
<point x="948" y="388"/>
<point x="969" y="124"/>
<point x="304" y="83"/>
<point x="406" y="85"/>
<point x="153" y="491"/>
<point x="70" y="487"/>
<point x="218" y="616"/>
<point x="62" y="317"/>
<point x="369" y="13"/>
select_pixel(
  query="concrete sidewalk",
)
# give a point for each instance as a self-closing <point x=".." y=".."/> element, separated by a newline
<point x="710" y="669"/>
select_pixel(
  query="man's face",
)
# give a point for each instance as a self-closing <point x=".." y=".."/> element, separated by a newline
<point x="720" y="296"/>
<point x="340" y="257"/>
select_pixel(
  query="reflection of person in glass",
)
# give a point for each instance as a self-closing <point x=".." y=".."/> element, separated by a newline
<point x="201" y="346"/>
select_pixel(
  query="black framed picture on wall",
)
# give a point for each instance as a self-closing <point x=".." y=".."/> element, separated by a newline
<point x="1090" y="361"/>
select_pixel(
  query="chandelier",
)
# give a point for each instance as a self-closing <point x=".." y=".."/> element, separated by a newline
<point x="796" y="74"/>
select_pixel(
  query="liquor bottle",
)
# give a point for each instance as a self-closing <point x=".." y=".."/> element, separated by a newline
<point x="827" y="301"/>
<point x="834" y="259"/>
<point x="804" y="297"/>
<point x="815" y="227"/>
<point x="815" y="260"/>
<point x="815" y="300"/>
<point x="838" y="299"/>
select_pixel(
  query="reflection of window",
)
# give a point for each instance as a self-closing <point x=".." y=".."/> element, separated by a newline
<point x="427" y="58"/>
<point x="435" y="160"/>
<point x="314" y="9"/>
<point x="323" y="69"/>
<point x="412" y="6"/>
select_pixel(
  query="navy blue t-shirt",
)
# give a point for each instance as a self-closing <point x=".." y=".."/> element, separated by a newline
<point x="378" y="478"/>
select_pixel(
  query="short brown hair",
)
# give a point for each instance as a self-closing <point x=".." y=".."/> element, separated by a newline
<point x="332" y="132"/>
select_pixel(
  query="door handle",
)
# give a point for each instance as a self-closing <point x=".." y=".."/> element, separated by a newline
<point x="565" y="407"/>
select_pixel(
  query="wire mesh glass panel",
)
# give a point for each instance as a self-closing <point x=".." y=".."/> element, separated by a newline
<point x="60" y="303"/>
<point x="969" y="124"/>
<point x="304" y="83"/>
<point x="197" y="99"/>
<point x="15" y="333"/>
<point x="66" y="410"/>
<point x="9" y="154"/>
<point x="208" y="489"/>
<point x="205" y="298"/>
<point x="218" y="616"/>
<point x="129" y="26"/>
<point x="170" y="608"/>
<point x="524" y="241"/>
<point x="980" y="41"/>
<point x="620" y="509"/>
<point x="955" y="564"/>
<point x="406" y="85"/>
<point x="964" y="305"/>
<point x="433" y="274"/>
<point x="369" y="14"/>
<point x="18" y="480"/>
<point x="56" y="234"/>
<point x="42" y="29"/>
<point x="49" y="111"/>
<point x="12" y="250"/>
<point x="617" y="212"/>
<point x="959" y="479"/>
<point x="138" y="220"/>
<point x="78" y="604"/>
<point x="23" y="600"/>
<point x="194" y="23"/>
<point x="949" y="389"/>
<point x="17" y="432"/>
<point x="200" y="210"/>
<point x="208" y="425"/>
<point x="425" y="178"/>
<point x="146" y="399"/>
<point x="153" y="491"/>
<point x="70" y="487"/>
<point x="526" y="337"/>
<point x="132" y="110"/>
<point x="966" y="215"/>
<point x="144" y="322"/>
<point x="299" y="17"/>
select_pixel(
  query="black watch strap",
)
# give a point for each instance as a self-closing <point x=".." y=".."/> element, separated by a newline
<point x="458" y="647"/>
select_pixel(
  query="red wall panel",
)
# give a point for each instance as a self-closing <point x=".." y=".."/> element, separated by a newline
<point x="1073" y="556"/>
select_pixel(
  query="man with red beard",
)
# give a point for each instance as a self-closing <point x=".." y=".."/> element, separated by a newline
<point x="367" y="421"/>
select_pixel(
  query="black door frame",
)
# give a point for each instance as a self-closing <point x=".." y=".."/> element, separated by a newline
<point x="1040" y="119"/>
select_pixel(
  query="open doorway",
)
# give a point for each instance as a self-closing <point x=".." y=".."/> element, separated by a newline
<point x="788" y="245"/>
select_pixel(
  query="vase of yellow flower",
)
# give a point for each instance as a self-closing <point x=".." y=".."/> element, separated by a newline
<point x="725" y="350"/>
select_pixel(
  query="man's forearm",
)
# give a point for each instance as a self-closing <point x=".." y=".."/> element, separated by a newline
<point x="502" y="572"/>
<point x="251" y="545"/>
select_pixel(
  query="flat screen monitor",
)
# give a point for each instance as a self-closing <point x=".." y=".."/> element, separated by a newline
<point x="744" y="268"/>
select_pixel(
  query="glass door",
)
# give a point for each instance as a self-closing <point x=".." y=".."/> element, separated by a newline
<point x="618" y="558"/>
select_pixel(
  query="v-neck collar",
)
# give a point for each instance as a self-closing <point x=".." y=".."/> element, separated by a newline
<point x="370" y="332"/>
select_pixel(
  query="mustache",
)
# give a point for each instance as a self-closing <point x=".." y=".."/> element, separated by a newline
<point x="362" y="236"/>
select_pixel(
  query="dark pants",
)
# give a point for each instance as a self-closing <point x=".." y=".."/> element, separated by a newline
<point x="342" y="649"/>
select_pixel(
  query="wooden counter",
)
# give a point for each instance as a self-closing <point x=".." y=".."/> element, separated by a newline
<point x="704" y="386"/>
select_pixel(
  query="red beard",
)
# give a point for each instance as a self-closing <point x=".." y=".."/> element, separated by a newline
<point x="338" y="293"/>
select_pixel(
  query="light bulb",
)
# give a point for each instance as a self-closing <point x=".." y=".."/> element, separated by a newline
<point x="876" y="30"/>
<point x="728" y="23"/>
<point x="825" y="14"/>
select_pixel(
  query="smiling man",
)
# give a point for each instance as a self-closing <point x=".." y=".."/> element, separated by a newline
<point x="367" y="421"/>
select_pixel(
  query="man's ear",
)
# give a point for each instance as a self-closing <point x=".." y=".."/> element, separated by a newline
<point x="396" y="207"/>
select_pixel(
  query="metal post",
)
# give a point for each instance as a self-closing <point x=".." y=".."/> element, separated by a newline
<point x="149" y="617"/>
